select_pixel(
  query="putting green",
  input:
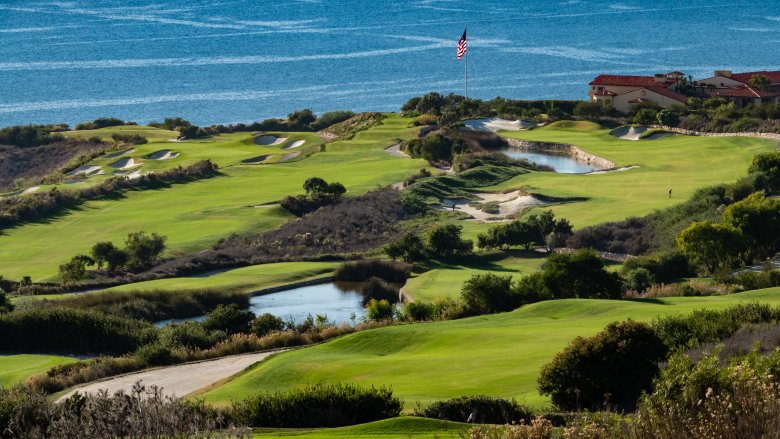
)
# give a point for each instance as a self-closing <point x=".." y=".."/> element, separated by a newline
<point x="401" y="428"/>
<point x="680" y="163"/>
<point x="498" y="355"/>
<point x="195" y="215"/>
<point x="17" y="368"/>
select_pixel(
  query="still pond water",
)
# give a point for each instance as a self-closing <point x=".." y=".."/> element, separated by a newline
<point x="338" y="300"/>
<point x="563" y="164"/>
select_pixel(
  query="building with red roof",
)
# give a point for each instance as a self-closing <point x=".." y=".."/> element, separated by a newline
<point x="623" y="92"/>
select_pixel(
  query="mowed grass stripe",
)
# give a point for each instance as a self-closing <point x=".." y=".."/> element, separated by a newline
<point x="498" y="355"/>
<point x="17" y="368"/>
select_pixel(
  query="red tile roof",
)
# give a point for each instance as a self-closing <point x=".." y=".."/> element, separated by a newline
<point x="627" y="81"/>
<point x="663" y="91"/>
<point x="745" y="77"/>
<point x="748" y="92"/>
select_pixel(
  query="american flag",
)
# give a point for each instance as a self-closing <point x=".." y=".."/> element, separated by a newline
<point x="462" y="46"/>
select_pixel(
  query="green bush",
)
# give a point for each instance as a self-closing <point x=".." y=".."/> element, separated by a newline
<point x="379" y="310"/>
<point x="489" y="293"/>
<point x="229" y="318"/>
<point x="639" y="280"/>
<point x="665" y="267"/>
<point x="267" y="323"/>
<point x="487" y="410"/>
<point x="376" y="288"/>
<point x="410" y="248"/>
<point x="362" y="270"/>
<point x="320" y="405"/>
<point x="611" y="368"/>
<point x="445" y="241"/>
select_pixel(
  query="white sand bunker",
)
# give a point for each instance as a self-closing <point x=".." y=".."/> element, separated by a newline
<point x="508" y="204"/>
<point x="604" y="171"/>
<point x="133" y="175"/>
<point x="163" y="154"/>
<point x="86" y="170"/>
<point x="395" y="151"/>
<point x="127" y="163"/>
<point x="253" y="160"/>
<point x="629" y="132"/>
<point x="289" y="156"/>
<point x="270" y="140"/>
<point x="22" y="192"/>
<point x="493" y="124"/>
<point x="296" y="144"/>
<point x="119" y="153"/>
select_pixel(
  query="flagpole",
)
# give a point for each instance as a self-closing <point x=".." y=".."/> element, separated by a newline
<point x="466" y="77"/>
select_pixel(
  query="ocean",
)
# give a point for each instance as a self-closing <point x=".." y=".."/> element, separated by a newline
<point x="213" y="61"/>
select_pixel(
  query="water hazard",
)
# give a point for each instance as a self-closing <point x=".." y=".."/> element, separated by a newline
<point x="563" y="164"/>
<point x="340" y="301"/>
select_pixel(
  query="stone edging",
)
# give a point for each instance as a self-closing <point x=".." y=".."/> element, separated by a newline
<point x="561" y="148"/>
<point x="774" y="136"/>
<point x="285" y="287"/>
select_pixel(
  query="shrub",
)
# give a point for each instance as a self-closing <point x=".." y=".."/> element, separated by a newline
<point x="487" y="410"/>
<point x="424" y="120"/>
<point x="320" y="405"/>
<point x="639" y="279"/>
<point x="358" y="271"/>
<point x="330" y="118"/>
<point x="579" y="274"/>
<point x="130" y="139"/>
<point x="444" y="242"/>
<point x="664" y="267"/>
<point x="266" y="323"/>
<point x="610" y="369"/>
<point x="419" y="311"/>
<point x="144" y="249"/>
<point x="228" y="318"/>
<point x="377" y="289"/>
<point x="668" y="118"/>
<point x="71" y="331"/>
<point x="410" y="248"/>
<point x="489" y="293"/>
<point x="75" y="269"/>
<point x="25" y="136"/>
<point x="378" y="310"/>
<point x="5" y="303"/>
<point x="645" y="116"/>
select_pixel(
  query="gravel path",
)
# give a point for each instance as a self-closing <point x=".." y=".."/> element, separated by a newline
<point x="180" y="380"/>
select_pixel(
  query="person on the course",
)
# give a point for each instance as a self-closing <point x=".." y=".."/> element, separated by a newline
<point x="670" y="193"/>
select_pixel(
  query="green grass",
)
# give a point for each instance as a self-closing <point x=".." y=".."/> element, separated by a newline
<point x="404" y="427"/>
<point x="195" y="215"/>
<point x="447" y="280"/>
<point x="682" y="163"/>
<point x="151" y="133"/>
<point x="17" y="368"/>
<point x="498" y="355"/>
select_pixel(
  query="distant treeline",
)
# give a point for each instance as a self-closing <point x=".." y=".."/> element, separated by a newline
<point x="34" y="207"/>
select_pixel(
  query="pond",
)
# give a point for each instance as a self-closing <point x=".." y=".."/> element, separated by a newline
<point x="563" y="164"/>
<point x="338" y="300"/>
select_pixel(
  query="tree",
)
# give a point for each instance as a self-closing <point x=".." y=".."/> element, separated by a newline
<point x="230" y="319"/>
<point x="761" y="82"/>
<point x="430" y="103"/>
<point x="101" y="251"/>
<point x="488" y="293"/>
<point x="300" y="119"/>
<point x="144" y="249"/>
<point x="639" y="280"/>
<point x="668" y="118"/>
<point x="75" y="269"/>
<point x="444" y="241"/>
<point x="410" y="248"/>
<point x="5" y="303"/>
<point x="645" y="116"/>
<point x="336" y="189"/>
<point x="614" y="367"/>
<point x="266" y="323"/>
<point x="757" y="218"/>
<point x="713" y="247"/>
<point x="315" y="186"/>
<point x="580" y="274"/>
<point x="116" y="258"/>
<point x="379" y="310"/>
<point x="768" y="166"/>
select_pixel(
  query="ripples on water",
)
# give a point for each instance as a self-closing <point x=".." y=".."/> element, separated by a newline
<point x="221" y="62"/>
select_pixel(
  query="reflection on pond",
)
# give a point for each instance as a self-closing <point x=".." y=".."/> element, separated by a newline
<point x="338" y="300"/>
<point x="563" y="164"/>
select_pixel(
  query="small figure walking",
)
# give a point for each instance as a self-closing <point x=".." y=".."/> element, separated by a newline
<point x="472" y="418"/>
<point x="670" y="193"/>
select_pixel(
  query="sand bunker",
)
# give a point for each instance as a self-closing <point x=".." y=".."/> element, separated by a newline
<point x="629" y="132"/>
<point x="127" y="163"/>
<point x="22" y="192"/>
<point x="604" y="171"/>
<point x="395" y="151"/>
<point x="270" y="140"/>
<point x="119" y="153"/>
<point x="163" y="154"/>
<point x="508" y="204"/>
<point x="254" y="160"/>
<point x="289" y="156"/>
<point x="86" y="170"/>
<point x="295" y="144"/>
<point x="493" y="124"/>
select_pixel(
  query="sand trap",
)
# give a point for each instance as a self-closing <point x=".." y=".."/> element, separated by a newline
<point x="508" y="204"/>
<point x="22" y="192"/>
<point x="86" y="170"/>
<point x="296" y="144"/>
<point x="119" y="153"/>
<point x="289" y="156"/>
<point x="133" y="175"/>
<point x="163" y="154"/>
<point x="395" y="151"/>
<point x="270" y="140"/>
<point x="494" y="124"/>
<point x="604" y="171"/>
<point x="127" y="163"/>
<point x="253" y="160"/>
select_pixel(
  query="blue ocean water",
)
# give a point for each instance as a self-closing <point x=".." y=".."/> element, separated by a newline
<point x="214" y="61"/>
